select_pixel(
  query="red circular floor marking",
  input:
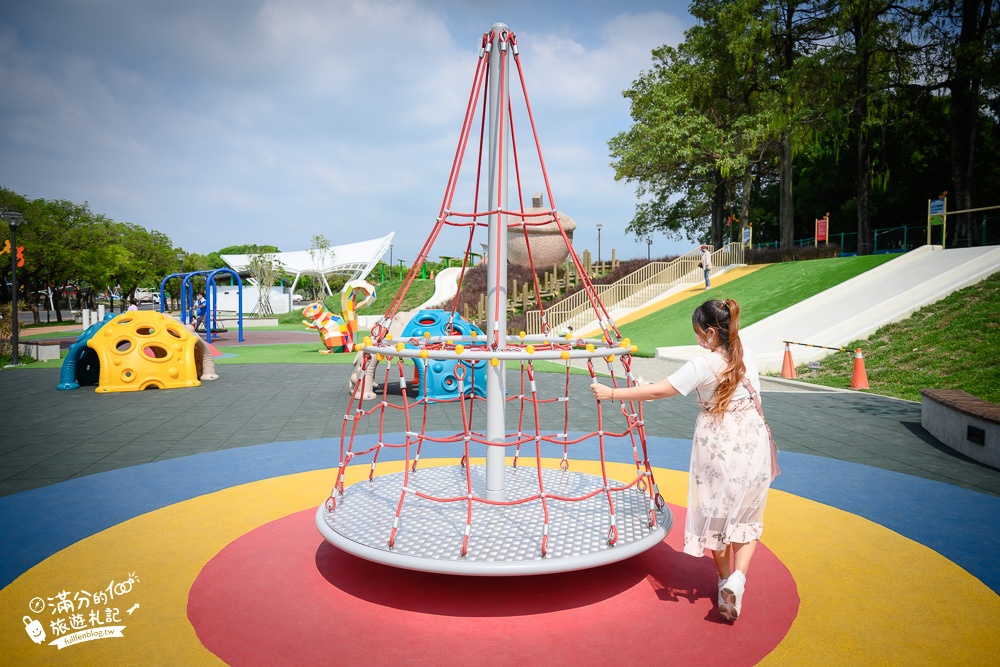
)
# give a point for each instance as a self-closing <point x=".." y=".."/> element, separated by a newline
<point x="281" y="595"/>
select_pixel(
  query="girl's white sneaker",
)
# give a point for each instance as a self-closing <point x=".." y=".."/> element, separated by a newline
<point x="723" y="605"/>
<point x="732" y="595"/>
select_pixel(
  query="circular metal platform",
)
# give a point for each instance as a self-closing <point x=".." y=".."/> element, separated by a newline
<point x="504" y="540"/>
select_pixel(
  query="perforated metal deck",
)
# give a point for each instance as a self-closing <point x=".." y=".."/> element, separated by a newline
<point x="504" y="540"/>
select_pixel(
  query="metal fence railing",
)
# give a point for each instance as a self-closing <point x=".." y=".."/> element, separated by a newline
<point x="905" y="237"/>
<point x="633" y="290"/>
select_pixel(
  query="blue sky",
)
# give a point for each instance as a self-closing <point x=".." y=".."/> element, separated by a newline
<point x="269" y="121"/>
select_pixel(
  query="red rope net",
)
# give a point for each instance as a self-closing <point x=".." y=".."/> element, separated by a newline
<point x="416" y="404"/>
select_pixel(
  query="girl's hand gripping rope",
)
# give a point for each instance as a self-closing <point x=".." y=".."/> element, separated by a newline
<point x="601" y="392"/>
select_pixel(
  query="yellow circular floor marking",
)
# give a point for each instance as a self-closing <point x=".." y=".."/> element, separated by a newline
<point x="868" y="595"/>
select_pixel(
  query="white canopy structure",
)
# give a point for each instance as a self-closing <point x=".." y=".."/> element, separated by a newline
<point x="354" y="260"/>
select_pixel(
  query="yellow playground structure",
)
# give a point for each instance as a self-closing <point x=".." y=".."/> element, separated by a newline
<point x="138" y="350"/>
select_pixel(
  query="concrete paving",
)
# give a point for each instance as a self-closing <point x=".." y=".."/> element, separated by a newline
<point x="50" y="436"/>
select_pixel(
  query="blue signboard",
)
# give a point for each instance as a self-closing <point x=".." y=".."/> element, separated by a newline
<point x="936" y="211"/>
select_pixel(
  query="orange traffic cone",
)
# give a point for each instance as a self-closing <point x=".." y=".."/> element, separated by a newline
<point x="860" y="378"/>
<point x="787" y="365"/>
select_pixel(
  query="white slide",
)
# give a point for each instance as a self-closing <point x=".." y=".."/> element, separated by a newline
<point x="858" y="307"/>
<point x="445" y="288"/>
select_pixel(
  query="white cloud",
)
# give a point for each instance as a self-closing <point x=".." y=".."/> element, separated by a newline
<point x="228" y="122"/>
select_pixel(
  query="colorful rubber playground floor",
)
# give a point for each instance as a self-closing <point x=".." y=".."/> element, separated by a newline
<point x="177" y="527"/>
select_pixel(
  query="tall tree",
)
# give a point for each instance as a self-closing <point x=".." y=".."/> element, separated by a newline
<point x="964" y="40"/>
<point x="695" y="134"/>
<point x="872" y="55"/>
<point x="769" y="39"/>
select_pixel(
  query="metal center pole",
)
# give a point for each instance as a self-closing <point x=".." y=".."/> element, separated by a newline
<point x="496" y="386"/>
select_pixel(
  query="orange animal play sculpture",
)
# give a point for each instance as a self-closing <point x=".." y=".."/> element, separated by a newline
<point x="338" y="332"/>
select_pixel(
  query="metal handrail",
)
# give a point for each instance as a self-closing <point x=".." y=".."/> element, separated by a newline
<point x="632" y="291"/>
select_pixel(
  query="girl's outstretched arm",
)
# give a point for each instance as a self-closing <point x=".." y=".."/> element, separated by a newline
<point x="645" y="392"/>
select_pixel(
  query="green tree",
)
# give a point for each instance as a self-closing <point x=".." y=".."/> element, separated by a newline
<point x="963" y="40"/>
<point x="65" y="244"/>
<point x="716" y="113"/>
<point x="771" y="42"/>
<point x="143" y="257"/>
<point x="320" y="252"/>
<point x="691" y="141"/>
<point x="868" y="58"/>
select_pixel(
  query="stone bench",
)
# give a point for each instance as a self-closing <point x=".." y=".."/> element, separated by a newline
<point x="965" y="423"/>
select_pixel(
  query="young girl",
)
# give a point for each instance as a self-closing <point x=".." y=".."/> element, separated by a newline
<point x="731" y="452"/>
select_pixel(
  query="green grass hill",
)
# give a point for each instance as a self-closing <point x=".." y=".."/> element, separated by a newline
<point x="760" y="294"/>
<point x="950" y="344"/>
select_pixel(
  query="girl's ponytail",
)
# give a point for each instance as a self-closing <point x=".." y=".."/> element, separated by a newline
<point x="724" y="317"/>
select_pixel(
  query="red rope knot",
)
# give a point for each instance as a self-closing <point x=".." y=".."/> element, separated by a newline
<point x="627" y="363"/>
<point x="564" y="464"/>
<point x="331" y="503"/>
<point x="612" y="535"/>
<point x="392" y="533"/>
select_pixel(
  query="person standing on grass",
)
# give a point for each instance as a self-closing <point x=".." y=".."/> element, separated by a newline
<point x="732" y="459"/>
<point x="706" y="265"/>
